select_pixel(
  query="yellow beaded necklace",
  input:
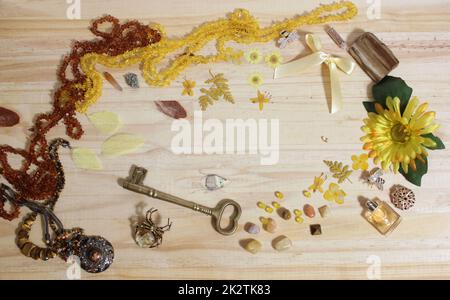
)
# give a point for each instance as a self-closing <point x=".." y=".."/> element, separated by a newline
<point x="239" y="27"/>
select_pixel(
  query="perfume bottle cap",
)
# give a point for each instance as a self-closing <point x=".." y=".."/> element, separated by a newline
<point x="371" y="205"/>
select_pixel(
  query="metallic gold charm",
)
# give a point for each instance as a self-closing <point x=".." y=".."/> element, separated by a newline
<point x="148" y="234"/>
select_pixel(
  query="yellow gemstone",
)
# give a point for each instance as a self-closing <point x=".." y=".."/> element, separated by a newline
<point x="269" y="209"/>
<point x="264" y="220"/>
<point x="299" y="220"/>
<point x="307" y="194"/>
<point x="298" y="212"/>
<point x="279" y="195"/>
<point x="276" y="204"/>
<point x="261" y="205"/>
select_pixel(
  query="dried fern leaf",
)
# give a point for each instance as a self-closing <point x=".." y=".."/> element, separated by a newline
<point x="340" y="171"/>
<point x="219" y="88"/>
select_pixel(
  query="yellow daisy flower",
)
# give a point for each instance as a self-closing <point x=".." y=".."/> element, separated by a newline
<point x="255" y="80"/>
<point x="274" y="59"/>
<point x="188" y="85"/>
<point x="261" y="99"/>
<point x="334" y="193"/>
<point x="253" y="56"/>
<point x="393" y="138"/>
<point x="360" y="162"/>
<point x="318" y="182"/>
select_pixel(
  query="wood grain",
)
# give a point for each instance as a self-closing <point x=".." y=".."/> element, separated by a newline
<point x="35" y="34"/>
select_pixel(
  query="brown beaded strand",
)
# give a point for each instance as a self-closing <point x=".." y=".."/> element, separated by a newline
<point x="42" y="183"/>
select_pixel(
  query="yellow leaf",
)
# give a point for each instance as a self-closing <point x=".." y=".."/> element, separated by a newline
<point x="86" y="159"/>
<point x="122" y="143"/>
<point x="106" y="122"/>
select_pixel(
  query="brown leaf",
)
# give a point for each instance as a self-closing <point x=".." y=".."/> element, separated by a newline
<point x="171" y="108"/>
<point x="8" y="118"/>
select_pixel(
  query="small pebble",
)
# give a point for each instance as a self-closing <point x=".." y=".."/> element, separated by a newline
<point x="309" y="211"/>
<point x="279" y="195"/>
<point x="307" y="194"/>
<point x="270" y="226"/>
<point x="315" y="229"/>
<point x="298" y="212"/>
<point x="284" y="213"/>
<point x="251" y="228"/>
<point x="276" y="204"/>
<point x="299" y="220"/>
<point x="281" y="243"/>
<point x="269" y="209"/>
<point x="132" y="80"/>
<point x="324" y="211"/>
<point x="253" y="246"/>
<point x="261" y="204"/>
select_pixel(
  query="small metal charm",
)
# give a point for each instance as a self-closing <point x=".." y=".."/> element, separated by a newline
<point x="286" y="38"/>
<point x="148" y="234"/>
<point x="131" y="80"/>
<point x="402" y="197"/>
<point x="214" y="182"/>
<point x="374" y="178"/>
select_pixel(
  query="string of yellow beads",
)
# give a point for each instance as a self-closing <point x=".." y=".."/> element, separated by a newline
<point x="239" y="27"/>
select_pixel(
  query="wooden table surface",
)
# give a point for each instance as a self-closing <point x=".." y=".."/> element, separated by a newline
<point x="34" y="35"/>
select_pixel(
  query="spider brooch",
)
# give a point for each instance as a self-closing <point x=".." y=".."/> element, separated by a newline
<point x="148" y="234"/>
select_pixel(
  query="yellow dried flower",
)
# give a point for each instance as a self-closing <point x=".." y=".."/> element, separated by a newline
<point x="360" y="162"/>
<point x="274" y="59"/>
<point x="317" y="185"/>
<point x="188" y="85"/>
<point x="334" y="193"/>
<point x="261" y="98"/>
<point x="253" y="56"/>
<point x="255" y="80"/>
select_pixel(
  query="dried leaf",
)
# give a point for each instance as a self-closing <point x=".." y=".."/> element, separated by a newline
<point x="171" y="108"/>
<point x="106" y="122"/>
<point x="339" y="171"/>
<point x="8" y="118"/>
<point x="219" y="88"/>
<point x="122" y="143"/>
<point x="86" y="159"/>
<point x="112" y="80"/>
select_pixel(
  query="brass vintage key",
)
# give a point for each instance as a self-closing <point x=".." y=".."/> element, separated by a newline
<point x="135" y="183"/>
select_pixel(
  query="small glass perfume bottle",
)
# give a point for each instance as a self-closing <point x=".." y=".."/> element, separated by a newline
<point x="383" y="217"/>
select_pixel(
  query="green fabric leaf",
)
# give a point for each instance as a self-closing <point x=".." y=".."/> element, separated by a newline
<point x="369" y="106"/>
<point x="416" y="177"/>
<point x="393" y="87"/>
<point x="438" y="141"/>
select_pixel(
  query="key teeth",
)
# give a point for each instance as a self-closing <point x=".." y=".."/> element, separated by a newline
<point x="137" y="174"/>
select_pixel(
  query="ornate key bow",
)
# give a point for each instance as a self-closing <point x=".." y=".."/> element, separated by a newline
<point x="317" y="58"/>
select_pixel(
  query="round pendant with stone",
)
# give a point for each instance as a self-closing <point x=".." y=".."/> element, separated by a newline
<point x="96" y="254"/>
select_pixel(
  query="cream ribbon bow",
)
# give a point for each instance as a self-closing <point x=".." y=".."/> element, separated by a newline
<point x="316" y="58"/>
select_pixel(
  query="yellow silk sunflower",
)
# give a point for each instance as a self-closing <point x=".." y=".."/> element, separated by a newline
<point x="393" y="138"/>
